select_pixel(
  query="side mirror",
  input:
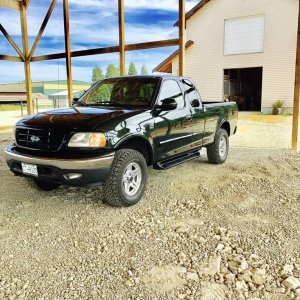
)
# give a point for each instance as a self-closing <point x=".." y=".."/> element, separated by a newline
<point x="168" y="104"/>
<point x="75" y="100"/>
<point x="195" y="103"/>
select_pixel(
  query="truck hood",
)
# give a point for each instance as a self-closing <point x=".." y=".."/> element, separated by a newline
<point x="78" y="118"/>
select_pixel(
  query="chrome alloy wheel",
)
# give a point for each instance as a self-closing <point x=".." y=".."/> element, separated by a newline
<point x="132" y="179"/>
<point x="222" y="146"/>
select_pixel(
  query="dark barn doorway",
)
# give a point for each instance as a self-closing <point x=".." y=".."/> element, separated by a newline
<point x="245" y="87"/>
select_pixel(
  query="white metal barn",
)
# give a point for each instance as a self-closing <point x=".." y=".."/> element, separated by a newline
<point x="242" y="49"/>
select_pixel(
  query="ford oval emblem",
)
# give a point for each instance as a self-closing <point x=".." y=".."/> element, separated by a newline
<point x="34" y="139"/>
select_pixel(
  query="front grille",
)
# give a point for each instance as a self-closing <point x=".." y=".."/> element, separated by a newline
<point x="39" y="139"/>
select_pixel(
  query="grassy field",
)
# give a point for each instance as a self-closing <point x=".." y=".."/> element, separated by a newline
<point x="18" y="107"/>
<point x="11" y="107"/>
<point x="265" y="118"/>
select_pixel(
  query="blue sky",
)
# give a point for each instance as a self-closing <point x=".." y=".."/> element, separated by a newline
<point x="93" y="23"/>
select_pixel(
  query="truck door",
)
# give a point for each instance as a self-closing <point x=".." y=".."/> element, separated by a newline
<point x="198" y="114"/>
<point x="173" y="128"/>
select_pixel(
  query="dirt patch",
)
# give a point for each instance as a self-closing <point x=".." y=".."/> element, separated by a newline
<point x="201" y="232"/>
<point x="165" y="279"/>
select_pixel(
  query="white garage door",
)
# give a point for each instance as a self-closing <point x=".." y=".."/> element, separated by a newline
<point x="244" y="35"/>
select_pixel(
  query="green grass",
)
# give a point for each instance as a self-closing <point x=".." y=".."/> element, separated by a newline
<point x="11" y="107"/>
<point x="18" y="107"/>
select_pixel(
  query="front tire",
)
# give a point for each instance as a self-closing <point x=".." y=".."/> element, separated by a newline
<point x="127" y="180"/>
<point x="217" y="153"/>
<point x="46" y="185"/>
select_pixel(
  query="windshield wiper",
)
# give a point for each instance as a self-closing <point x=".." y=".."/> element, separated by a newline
<point x="120" y="104"/>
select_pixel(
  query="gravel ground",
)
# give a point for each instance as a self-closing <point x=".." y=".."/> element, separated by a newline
<point x="263" y="131"/>
<point x="201" y="232"/>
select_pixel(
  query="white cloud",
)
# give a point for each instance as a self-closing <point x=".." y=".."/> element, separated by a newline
<point x="11" y="71"/>
<point x="168" y="5"/>
<point x="89" y="30"/>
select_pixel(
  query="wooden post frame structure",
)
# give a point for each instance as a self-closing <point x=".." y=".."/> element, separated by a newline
<point x="68" y="51"/>
<point x="23" y="18"/>
<point x="295" y="131"/>
<point x="181" y="37"/>
<point x="27" y="56"/>
<point x="122" y="37"/>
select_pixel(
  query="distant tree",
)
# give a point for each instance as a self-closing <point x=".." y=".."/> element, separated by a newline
<point x="103" y="93"/>
<point x="144" y="70"/>
<point x="132" y="69"/>
<point x="97" y="74"/>
<point x="147" y="89"/>
<point x="112" y="71"/>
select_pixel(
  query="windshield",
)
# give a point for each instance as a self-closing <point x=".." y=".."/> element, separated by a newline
<point x="125" y="92"/>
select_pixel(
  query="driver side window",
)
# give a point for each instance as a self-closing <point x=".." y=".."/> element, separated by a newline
<point x="171" y="89"/>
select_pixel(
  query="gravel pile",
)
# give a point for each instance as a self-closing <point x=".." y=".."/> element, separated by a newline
<point x="201" y="232"/>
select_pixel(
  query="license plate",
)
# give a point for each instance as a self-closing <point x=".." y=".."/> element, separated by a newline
<point x="29" y="169"/>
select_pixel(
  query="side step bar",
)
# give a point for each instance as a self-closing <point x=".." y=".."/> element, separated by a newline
<point x="172" y="162"/>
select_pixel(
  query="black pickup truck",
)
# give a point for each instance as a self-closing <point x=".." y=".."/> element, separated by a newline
<point x="115" y="130"/>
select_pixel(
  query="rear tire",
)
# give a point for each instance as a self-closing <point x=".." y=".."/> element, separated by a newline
<point x="46" y="185"/>
<point x="217" y="153"/>
<point x="127" y="180"/>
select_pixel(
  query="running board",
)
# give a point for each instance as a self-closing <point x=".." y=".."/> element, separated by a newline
<point x="169" y="163"/>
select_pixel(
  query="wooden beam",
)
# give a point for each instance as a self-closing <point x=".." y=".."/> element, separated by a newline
<point x="49" y="57"/>
<point x="27" y="3"/>
<point x="10" y="58"/>
<point x="295" y="131"/>
<point x="11" y="41"/>
<point x="28" y="82"/>
<point x="181" y="37"/>
<point x="68" y="51"/>
<point x="151" y="45"/>
<point x="41" y="31"/>
<point x="113" y="49"/>
<point x="166" y="65"/>
<point x="14" y="5"/>
<point x="122" y="37"/>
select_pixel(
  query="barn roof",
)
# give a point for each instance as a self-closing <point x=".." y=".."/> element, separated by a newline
<point x="166" y="65"/>
<point x="9" y="89"/>
<point x="191" y="12"/>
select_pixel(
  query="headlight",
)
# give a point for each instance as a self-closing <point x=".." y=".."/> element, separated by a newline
<point x="87" y="140"/>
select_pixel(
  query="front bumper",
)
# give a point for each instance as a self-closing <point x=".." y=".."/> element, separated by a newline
<point x="74" y="172"/>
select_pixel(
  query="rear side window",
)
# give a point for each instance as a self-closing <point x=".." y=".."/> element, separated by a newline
<point x="190" y="90"/>
<point x="171" y="89"/>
